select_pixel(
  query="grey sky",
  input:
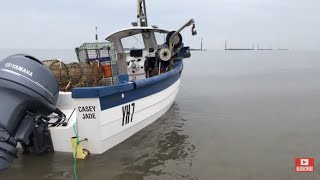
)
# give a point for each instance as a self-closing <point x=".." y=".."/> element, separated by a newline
<point x="65" y="24"/>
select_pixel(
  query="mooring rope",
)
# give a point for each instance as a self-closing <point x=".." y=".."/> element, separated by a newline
<point x="75" y="154"/>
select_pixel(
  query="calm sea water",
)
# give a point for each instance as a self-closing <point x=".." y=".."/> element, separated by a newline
<point x="239" y="115"/>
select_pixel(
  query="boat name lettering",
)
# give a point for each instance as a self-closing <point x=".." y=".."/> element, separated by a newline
<point x="88" y="112"/>
<point x="89" y="116"/>
<point x="87" y="108"/>
<point x="127" y="113"/>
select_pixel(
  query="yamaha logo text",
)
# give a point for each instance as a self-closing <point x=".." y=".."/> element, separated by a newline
<point x="19" y="68"/>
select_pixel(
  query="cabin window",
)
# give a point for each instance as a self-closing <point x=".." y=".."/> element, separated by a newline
<point x="160" y="37"/>
<point x="132" y="42"/>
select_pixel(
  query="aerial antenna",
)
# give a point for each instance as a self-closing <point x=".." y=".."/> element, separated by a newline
<point x="96" y="34"/>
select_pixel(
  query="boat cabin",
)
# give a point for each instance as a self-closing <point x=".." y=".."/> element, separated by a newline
<point x="138" y="47"/>
<point x="144" y="38"/>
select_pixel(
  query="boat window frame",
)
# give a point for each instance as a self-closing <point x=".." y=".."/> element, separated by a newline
<point x="125" y="49"/>
<point x="159" y="32"/>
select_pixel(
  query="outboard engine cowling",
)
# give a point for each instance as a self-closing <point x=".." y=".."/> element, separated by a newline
<point x="28" y="92"/>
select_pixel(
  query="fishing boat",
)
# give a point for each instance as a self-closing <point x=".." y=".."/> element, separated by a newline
<point x="139" y="84"/>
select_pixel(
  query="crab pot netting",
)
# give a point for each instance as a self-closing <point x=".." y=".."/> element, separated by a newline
<point x="75" y="72"/>
<point x="88" y="71"/>
<point x="96" y="51"/>
<point x="59" y="70"/>
<point x="99" y="52"/>
<point x="97" y="72"/>
<point x="88" y="78"/>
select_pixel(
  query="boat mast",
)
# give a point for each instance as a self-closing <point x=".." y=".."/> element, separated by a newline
<point x="142" y="14"/>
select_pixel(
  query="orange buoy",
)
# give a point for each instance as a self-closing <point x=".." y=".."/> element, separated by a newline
<point x="106" y="67"/>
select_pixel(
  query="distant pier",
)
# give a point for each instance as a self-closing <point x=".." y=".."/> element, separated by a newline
<point x="237" y="49"/>
<point x="250" y="49"/>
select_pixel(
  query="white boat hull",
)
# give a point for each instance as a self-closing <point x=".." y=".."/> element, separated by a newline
<point x="106" y="128"/>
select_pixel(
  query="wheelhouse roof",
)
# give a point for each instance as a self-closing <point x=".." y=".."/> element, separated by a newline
<point x="133" y="31"/>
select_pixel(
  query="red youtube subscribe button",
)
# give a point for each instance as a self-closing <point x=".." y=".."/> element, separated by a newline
<point x="304" y="164"/>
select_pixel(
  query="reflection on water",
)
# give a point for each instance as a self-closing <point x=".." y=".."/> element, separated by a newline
<point x="165" y="153"/>
<point x="159" y="151"/>
<point x="56" y="166"/>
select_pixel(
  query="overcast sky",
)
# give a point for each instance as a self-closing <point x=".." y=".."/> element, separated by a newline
<point x="65" y="24"/>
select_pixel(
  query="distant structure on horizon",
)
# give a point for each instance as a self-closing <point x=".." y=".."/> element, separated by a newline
<point x="201" y="47"/>
<point x="226" y="48"/>
<point x="264" y="48"/>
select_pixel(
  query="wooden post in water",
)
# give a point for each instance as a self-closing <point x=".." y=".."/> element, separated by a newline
<point x="201" y="44"/>
<point x="225" y="45"/>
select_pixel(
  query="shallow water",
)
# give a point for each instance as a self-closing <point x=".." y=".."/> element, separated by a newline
<point x="239" y="115"/>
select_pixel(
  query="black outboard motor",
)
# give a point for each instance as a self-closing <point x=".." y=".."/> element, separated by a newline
<point x="28" y="93"/>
